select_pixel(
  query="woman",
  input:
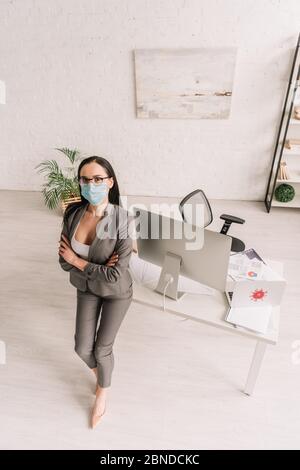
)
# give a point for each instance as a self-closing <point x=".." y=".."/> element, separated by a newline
<point x="98" y="262"/>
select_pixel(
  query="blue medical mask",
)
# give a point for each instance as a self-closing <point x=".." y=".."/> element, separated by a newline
<point x="95" y="194"/>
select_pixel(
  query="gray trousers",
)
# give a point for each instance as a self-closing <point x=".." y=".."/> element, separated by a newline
<point x="93" y="343"/>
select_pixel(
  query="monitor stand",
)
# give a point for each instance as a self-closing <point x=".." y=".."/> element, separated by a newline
<point x="171" y="266"/>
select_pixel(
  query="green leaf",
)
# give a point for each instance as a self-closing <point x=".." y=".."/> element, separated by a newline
<point x="70" y="154"/>
<point x="50" y="166"/>
<point x="51" y="197"/>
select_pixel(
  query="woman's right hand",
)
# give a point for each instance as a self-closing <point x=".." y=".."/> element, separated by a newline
<point x="112" y="260"/>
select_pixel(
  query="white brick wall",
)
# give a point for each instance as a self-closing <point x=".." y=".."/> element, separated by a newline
<point x="68" y="70"/>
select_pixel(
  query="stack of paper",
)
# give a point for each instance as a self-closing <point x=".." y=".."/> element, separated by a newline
<point x="252" y="318"/>
<point x="246" y="265"/>
<point x="249" y="266"/>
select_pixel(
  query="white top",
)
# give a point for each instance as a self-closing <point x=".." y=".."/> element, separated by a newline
<point x="80" y="248"/>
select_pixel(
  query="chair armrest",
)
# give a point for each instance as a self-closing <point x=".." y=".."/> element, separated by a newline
<point x="232" y="218"/>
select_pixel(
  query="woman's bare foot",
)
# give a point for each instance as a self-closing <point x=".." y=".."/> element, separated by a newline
<point x="99" y="406"/>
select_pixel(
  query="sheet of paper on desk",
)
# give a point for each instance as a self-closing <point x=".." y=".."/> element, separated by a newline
<point x="246" y="265"/>
<point x="252" y="318"/>
<point x="270" y="275"/>
<point x="254" y="272"/>
<point x="144" y="272"/>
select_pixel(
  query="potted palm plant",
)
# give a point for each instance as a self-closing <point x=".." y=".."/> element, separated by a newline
<point x="62" y="184"/>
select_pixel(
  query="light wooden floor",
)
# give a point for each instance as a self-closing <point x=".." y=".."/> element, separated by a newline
<point x="176" y="385"/>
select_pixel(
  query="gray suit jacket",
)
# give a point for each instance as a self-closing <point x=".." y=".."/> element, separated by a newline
<point x="112" y="234"/>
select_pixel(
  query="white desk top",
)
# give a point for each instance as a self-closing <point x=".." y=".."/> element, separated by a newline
<point x="208" y="309"/>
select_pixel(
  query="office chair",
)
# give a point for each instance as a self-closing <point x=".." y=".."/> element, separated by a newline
<point x="189" y="215"/>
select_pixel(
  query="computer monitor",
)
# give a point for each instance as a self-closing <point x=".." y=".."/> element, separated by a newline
<point x="207" y="264"/>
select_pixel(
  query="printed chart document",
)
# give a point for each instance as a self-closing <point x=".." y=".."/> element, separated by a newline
<point x="246" y="265"/>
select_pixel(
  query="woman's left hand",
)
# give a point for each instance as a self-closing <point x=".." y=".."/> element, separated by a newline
<point x="66" y="251"/>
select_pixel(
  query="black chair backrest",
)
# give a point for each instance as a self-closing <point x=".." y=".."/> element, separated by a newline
<point x="191" y="207"/>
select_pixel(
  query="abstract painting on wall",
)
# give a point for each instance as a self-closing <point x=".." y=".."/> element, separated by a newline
<point x="184" y="83"/>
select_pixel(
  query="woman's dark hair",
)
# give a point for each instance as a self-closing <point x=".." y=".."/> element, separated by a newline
<point x="113" y="195"/>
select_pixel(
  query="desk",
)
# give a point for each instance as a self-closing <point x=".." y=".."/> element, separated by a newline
<point x="211" y="310"/>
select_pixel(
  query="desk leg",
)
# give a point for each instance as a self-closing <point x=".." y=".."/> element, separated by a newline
<point x="255" y="366"/>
